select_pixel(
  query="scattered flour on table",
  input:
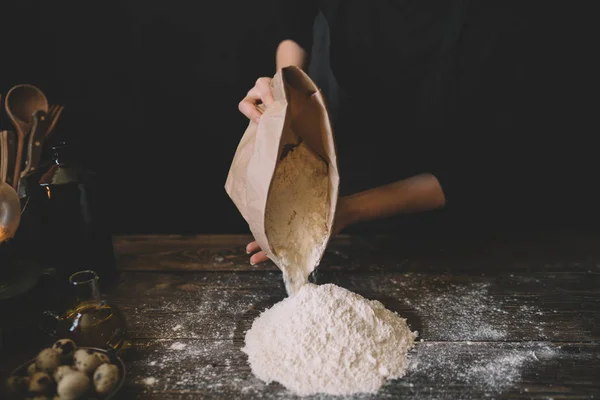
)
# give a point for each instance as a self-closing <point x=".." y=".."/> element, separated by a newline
<point x="469" y="311"/>
<point x="150" y="381"/>
<point x="208" y="306"/>
<point x="177" y="346"/>
<point x="197" y="345"/>
<point x="326" y="339"/>
<point x="432" y="367"/>
<point x="491" y="369"/>
<point x="206" y="364"/>
<point x="296" y="215"/>
<point x="463" y="311"/>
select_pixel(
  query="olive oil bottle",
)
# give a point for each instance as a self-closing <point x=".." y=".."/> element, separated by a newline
<point x="90" y="321"/>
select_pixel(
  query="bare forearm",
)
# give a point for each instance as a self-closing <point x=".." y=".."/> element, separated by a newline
<point x="415" y="194"/>
<point x="290" y="53"/>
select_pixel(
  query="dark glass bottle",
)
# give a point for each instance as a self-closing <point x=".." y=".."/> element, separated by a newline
<point x="77" y="234"/>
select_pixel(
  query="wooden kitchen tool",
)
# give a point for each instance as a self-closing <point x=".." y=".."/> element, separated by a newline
<point x="53" y="115"/>
<point x="33" y="149"/>
<point x="3" y="156"/>
<point x="41" y="124"/>
<point x="22" y="101"/>
<point x="8" y="156"/>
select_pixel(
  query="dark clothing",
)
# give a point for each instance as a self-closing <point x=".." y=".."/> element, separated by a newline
<point x="445" y="87"/>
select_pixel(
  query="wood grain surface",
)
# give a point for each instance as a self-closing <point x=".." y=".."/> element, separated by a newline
<point x="513" y="317"/>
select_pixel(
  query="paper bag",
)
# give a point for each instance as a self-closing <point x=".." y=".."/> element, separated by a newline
<point x="299" y="114"/>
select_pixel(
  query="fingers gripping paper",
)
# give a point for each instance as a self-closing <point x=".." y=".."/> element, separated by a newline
<point x="284" y="177"/>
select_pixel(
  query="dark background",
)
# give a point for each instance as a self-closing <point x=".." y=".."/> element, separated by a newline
<point x="151" y="90"/>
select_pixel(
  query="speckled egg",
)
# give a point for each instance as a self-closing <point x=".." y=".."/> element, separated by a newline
<point x="61" y="371"/>
<point x="41" y="383"/>
<point x="65" y="347"/>
<point x="87" y="361"/>
<point x="47" y="360"/>
<point x="73" y="386"/>
<point x="17" y="384"/>
<point x="106" y="378"/>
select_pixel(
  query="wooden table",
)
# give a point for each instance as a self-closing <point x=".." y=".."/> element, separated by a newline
<point x="503" y="318"/>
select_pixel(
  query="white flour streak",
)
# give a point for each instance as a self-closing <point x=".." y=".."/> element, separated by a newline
<point x="492" y="368"/>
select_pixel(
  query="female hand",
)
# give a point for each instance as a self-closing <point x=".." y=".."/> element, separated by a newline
<point x="343" y="218"/>
<point x="259" y="94"/>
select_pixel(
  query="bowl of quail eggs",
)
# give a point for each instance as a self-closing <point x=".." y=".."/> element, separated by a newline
<point x="67" y="372"/>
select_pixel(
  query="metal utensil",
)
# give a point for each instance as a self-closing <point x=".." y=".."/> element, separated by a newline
<point x="22" y="101"/>
<point x="10" y="211"/>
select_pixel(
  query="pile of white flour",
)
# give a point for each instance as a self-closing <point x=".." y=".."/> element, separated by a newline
<point x="328" y="340"/>
<point x="296" y="215"/>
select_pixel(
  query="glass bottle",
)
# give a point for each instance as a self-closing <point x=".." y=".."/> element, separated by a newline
<point x="89" y="320"/>
<point x="76" y="228"/>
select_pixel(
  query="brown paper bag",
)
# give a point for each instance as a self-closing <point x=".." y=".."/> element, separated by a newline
<point x="298" y="114"/>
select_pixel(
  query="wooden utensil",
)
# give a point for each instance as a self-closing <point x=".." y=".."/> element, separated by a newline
<point x="35" y="141"/>
<point x="33" y="150"/>
<point x="53" y="116"/>
<point x="42" y="124"/>
<point x="22" y="101"/>
<point x="3" y="156"/>
<point x="8" y="156"/>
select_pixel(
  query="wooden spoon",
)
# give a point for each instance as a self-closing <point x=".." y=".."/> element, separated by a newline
<point x="3" y="155"/>
<point x="35" y="141"/>
<point x="8" y="153"/>
<point x="22" y="101"/>
<point x="54" y="117"/>
<point x="33" y="149"/>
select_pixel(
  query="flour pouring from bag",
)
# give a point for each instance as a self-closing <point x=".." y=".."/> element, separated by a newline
<point x="296" y="215"/>
<point x="284" y="177"/>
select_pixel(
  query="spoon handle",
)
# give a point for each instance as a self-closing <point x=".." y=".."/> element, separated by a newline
<point x="18" y="161"/>
<point x="3" y="155"/>
<point x="9" y="143"/>
<point x="54" y="121"/>
<point x="35" y="141"/>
